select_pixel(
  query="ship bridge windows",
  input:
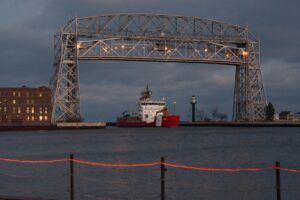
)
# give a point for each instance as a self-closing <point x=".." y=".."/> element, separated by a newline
<point x="157" y="104"/>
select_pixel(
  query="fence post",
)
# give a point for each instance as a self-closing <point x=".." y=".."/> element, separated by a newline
<point x="278" y="189"/>
<point x="71" y="177"/>
<point x="162" y="179"/>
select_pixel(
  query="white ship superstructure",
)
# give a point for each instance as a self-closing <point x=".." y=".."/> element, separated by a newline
<point x="151" y="113"/>
<point x="149" y="108"/>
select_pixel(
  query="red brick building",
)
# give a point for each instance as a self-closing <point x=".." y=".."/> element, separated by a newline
<point x="25" y="106"/>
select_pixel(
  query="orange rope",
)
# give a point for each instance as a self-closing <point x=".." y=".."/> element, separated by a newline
<point x="286" y="169"/>
<point x="97" y="164"/>
<point x="115" y="165"/>
<point x="216" y="169"/>
<point x="34" y="161"/>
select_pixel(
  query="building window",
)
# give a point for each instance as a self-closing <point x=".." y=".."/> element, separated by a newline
<point x="41" y="110"/>
<point x="19" y="93"/>
<point x="14" y="93"/>
<point x="27" y="101"/>
<point x="19" y="110"/>
<point x="32" y="101"/>
<point x="46" y="118"/>
<point x="32" y="118"/>
<point x="32" y="110"/>
<point x="27" y="110"/>
<point x="4" y="109"/>
<point x="14" y="110"/>
<point x="27" y="94"/>
<point x="14" y="101"/>
<point x="41" y="118"/>
<point x="46" y="110"/>
<point x="28" y="118"/>
<point x="40" y="94"/>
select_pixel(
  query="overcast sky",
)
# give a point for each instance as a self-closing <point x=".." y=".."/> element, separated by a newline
<point x="110" y="87"/>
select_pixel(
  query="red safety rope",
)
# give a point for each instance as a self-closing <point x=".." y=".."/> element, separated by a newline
<point x="34" y="161"/>
<point x="180" y="166"/>
<point x="216" y="169"/>
<point x="115" y="165"/>
<point x="286" y="169"/>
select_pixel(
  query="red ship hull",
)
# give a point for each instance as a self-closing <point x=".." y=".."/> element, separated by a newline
<point x="170" y="121"/>
<point x="167" y="121"/>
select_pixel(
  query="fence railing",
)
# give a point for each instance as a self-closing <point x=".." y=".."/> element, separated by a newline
<point x="163" y="168"/>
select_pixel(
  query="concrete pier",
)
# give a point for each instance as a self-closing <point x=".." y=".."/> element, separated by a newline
<point x="240" y="124"/>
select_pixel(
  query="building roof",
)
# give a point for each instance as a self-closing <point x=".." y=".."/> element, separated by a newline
<point x="283" y="113"/>
<point x="24" y="87"/>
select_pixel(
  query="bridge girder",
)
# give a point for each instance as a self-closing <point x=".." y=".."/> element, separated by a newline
<point x="161" y="38"/>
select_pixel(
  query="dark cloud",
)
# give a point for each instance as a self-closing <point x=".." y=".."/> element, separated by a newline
<point x="107" y="88"/>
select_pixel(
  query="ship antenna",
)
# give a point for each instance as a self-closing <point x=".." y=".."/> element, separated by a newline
<point x="146" y="94"/>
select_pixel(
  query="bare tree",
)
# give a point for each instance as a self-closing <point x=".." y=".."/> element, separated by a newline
<point x="218" y="116"/>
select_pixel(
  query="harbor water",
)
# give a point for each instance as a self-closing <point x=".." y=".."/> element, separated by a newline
<point x="212" y="147"/>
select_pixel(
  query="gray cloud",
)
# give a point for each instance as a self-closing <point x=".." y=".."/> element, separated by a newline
<point x="107" y="88"/>
<point x="282" y="84"/>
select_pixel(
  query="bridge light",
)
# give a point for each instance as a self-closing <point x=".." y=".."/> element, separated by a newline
<point x="78" y="45"/>
<point x="123" y="46"/>
<point x="245" y="53"/>
<point x="116" y="48"/>
<point x="206" y="50"/>
<point x="166" y="48"/>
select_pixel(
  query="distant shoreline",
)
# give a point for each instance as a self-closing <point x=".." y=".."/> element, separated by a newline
<point x="241" y="124"/>
<point x="48" y="128"/>
<point x="231" y="124"/>
<point x="182" y="124"/>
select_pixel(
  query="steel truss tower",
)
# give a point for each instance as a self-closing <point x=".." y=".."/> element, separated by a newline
<point x="160" y="38"/>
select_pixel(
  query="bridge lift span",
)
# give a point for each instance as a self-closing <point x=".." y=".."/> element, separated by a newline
<point x="160" y="38"/>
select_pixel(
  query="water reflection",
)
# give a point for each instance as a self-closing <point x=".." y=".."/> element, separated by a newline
<point x="207" y="147"/>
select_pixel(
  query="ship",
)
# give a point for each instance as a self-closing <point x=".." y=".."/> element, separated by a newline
<point x="151" y="113"/>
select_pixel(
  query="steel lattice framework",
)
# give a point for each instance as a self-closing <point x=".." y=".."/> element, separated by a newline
<point x="163" y="38"/>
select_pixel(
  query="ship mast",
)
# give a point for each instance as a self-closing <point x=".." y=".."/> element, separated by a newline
<point x="146" y="94"/>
